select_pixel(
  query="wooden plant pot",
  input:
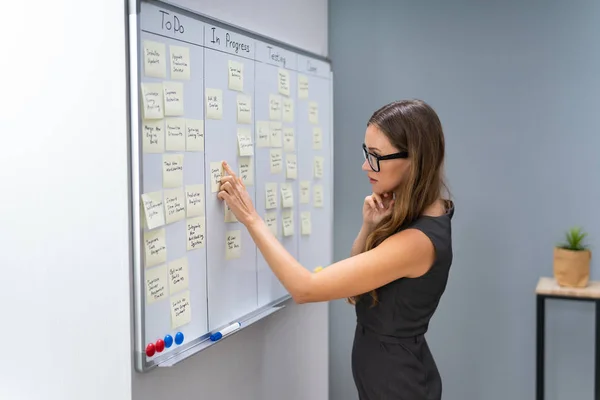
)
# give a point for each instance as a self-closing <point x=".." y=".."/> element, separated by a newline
<point x="572" y="267"/>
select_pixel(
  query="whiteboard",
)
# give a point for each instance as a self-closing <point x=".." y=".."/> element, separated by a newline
<point x="202" y="91"/>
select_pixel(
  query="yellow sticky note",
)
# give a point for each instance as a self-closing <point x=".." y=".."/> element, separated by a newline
<point x="195" y="233"/>
<point x="276" y="158"/>
<point x="152" y="204"/>
<point x="178" y="275"/>
<point x="288" y="110"/>
<point x="291" y="168"/>
<point x="216" y="173"/>
<point x="154" y="59"/>
<point x="155" y="247"/>
<point x="233" y="244"/>
<point x="236" y="76"/>
<point x="153" y="136"/>
<point x="263" y="134"/>
<point x="318" y="196"/>
<point x="283" y="81"/>
<point x="318" y="269"/>
<point x="271" y="222"/>
<point x="152" y="101"/>
<point x="175" y="134"/>
<point x="317" y="138"/>
<point x="181" y="310"/>
<point x="180" y="62"/>
<point x="287" y="217"/>
<point x="313" y="112"/>
<point x="245" y="146"/>
<point x="304" y="192"/>
<point x="172" y="170"/>
<point x="287" y="195"/>
<point x="270" y="195"/>
<point x="156" y="284"/>
<point x="305" y="223"/>
<point x="276" y="134"/>
<point x="289" y="142"/>
<point x="214" y="103"/>
<point x="173" y="92"/>
<point x="302" y="87"/>
<point x="319" y="163"/>
<point x="194" y="134"/>
<point x="274" y="107"/>
<point x="194" y="204"/>
<point x="174" y="205"/>
<point x="244" y="109"/>
<point x="246" y="171"/>
<point x="229" y="215"/>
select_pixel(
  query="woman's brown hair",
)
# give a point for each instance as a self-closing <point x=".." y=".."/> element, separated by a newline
<point x="412" y="126"/>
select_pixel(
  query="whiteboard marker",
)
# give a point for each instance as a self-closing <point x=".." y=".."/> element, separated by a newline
<point x="218" y="335"/>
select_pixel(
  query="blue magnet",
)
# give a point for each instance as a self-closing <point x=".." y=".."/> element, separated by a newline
<point x="179" y="338"/>
<point x="168" y="341"/>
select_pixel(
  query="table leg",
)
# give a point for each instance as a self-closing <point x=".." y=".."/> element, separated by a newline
<point x="540" y="338"/>
<point x="597" y="354"/>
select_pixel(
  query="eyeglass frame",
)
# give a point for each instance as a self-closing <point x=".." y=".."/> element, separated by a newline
<point x="393" y="156"/>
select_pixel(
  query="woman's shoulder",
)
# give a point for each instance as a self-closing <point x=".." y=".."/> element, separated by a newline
<point x="439" y="209"/>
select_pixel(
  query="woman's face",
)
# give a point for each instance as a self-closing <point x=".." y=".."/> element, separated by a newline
<point x="391" y="172"/>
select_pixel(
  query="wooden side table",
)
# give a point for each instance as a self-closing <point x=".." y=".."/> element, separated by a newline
<point x="547" y="288"/>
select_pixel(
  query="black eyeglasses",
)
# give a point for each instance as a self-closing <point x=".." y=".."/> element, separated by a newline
<point x="374" y="159"/>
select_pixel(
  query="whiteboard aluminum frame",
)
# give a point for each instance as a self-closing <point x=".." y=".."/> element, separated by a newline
<point x="133" y="48"/>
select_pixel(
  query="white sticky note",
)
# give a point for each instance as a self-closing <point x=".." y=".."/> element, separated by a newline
<point x="287" y="195"/>
<point x="287" y="218"/>
<point x="214" y="103"/>
<point x="172" y="170"/>
<point x="180" y="62"/>
<point x="274" y="107"/>
<point x="271" y="222"/>
<point x="245" y="146"/>
<point x="318" y="166"/>
<point x="317" y="138"/>
<point x="283" y="81"/>
<point x="196" y="231"/>
<point x="194" y="134"/>
<point x="152" y="204"/>
<point x="194" y="200"/>
<point x="318" y="196"/>
<point x="178" y="275"/>
<point x="154" y="59"/>
<point x="288" y="110"/>
<point x="181" y="310"/>
<point x="216" y="173"/>
<point x="152" y="101"/>
<point x="156" y="284"/>
<point x="271" y="195"/>
<point x="175" y="134"/>
<point x="229" y="215"/>
<point x="276" y="134"/>
<point x="244" y="109"/>
<point x="153" y="136"/>
<point x="263" y="134"/>
<point x="173" y="92"/>
<point x="155" y="247"/>
<point x="304" y="192"/>
<point x="236" y="76"/>
<point x="289" y="142"/>
<point x="302" y="87"/>
<point x="246" y="170"/>
<point x="313" y="112"/>
<point x="174" y="205"/>
<point x="305" y="223"/>
<point x="276" y="158"/>
<point x="291" y="166"/>
<point x="233" y="244"/>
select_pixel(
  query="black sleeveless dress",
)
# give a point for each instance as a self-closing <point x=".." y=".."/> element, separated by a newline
<point x="390" y="356"/>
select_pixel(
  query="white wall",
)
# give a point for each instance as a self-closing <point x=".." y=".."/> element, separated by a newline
<point x="64" y="301"/>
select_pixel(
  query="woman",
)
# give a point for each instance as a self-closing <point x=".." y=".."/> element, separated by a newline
<point x="400" y="260"/>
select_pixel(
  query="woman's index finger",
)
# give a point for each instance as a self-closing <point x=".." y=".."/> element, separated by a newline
<point x="227" y="169"/>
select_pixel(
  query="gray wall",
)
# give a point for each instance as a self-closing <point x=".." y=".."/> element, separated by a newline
<point x="517" y="86"/>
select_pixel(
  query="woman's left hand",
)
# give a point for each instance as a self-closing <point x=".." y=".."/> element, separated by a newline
<point x="233" y="191"/>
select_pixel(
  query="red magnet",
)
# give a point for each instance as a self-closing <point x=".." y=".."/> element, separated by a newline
<point x="160" y="345"/>
<point x="150" y="349"/>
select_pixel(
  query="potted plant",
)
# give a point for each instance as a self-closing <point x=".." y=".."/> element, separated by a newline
<point x="572" y="260"/>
